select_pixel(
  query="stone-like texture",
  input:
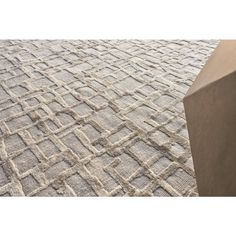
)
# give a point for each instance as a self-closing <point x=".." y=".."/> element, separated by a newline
<point x="97" y="118"/>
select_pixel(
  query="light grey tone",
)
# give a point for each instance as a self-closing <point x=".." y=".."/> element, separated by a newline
<point x="97" y="118"/>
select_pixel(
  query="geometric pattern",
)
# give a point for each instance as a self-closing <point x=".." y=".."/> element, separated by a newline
<point x="97" y="117"/>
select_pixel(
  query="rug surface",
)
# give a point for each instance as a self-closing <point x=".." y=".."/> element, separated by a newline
<point x="97" y="117"/>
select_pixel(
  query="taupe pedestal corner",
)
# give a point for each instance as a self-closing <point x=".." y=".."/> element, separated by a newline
<point x="210" y="108"/>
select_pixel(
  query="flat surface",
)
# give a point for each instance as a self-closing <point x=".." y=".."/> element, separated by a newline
<point x="221" y="63"/>
<point x="97" y="118"/>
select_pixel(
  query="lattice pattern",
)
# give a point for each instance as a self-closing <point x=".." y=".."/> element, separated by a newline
<point x="96" y="118"/>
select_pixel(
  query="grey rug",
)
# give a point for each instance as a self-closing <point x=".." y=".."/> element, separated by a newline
<point x="97" y="117"/>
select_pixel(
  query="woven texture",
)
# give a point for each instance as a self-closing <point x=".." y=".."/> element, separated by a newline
<point x="97" y="118"/>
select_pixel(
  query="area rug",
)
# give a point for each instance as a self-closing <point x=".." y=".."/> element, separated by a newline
<point x="97" y="117"/>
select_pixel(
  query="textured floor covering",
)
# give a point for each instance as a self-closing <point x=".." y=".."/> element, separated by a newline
<point x="96" y="118"/>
